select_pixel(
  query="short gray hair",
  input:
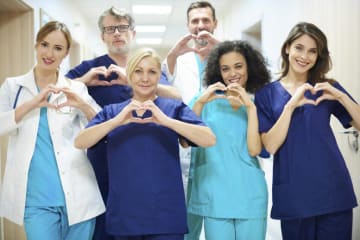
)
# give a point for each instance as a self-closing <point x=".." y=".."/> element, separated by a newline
<point x="118" y="14"/>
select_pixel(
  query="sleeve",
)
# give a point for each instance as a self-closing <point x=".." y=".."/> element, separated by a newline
<point x="185" y="114"/>
<point x="263" y="106"/>
<point x="165" y="70"/>
<point x="7" y="113"/>
<point x="78" y="71"/>
<point x="100" y="117"/>
<point x="164" y="79"/>
<point x="340" y="111"/>
<point x="84" y="94"/>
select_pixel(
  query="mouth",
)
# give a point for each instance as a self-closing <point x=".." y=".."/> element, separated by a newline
<point x="48" y="61"/>
<point x="302" y="63"/>
<point x="234" y="80"/>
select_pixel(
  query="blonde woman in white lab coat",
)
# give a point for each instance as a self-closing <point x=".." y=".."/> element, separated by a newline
<point x="48" y="185"/>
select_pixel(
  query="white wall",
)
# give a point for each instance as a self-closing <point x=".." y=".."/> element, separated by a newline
<point x="340" y="20"/>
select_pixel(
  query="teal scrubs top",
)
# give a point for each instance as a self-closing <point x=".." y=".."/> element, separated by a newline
<point x="227" y="181"/>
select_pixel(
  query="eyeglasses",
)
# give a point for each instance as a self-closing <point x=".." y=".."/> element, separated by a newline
<point x="112" y="29"/>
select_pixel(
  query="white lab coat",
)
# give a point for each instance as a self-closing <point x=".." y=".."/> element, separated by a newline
<point x="186" y="77"/>
<point x="82" y="195"/>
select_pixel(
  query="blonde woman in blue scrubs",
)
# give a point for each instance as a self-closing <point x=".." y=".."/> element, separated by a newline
<point x="229" y="188"/>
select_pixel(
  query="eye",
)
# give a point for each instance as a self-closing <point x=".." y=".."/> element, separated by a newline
<point x="224" y="69"/>
<point x="313" y="51"/>
<point x="57" y="48"/>
<point x="44" y="44"/>
<point x="298" y="47"/>
<point x="238" y="66"/>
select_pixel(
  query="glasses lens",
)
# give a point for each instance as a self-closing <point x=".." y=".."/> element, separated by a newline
<point x="120" y="28"/>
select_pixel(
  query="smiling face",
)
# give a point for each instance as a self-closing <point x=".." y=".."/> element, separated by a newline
<point x="302" y="55"/>
<point x="144" y="78"/>
<point x="233" y="68"/>
<point x="117" y="42"/>
<point x="200" y="19"/>
<point x="51" y="50"/>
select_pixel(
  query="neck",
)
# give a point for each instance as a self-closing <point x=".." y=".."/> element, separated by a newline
<point x="144" y="98"/>
<point x="119" y="59"/>
<point x="45" y="77"/>
<point x="294" y="78"/>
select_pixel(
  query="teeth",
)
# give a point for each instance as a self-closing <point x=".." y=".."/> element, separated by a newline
<point x="201" y="42"/>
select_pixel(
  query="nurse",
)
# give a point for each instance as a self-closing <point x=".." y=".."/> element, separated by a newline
<point x="146" y="198"/>
<point x="49" y="185"/>
<point x="228" y="186"/>
<point x="313" y="195"/>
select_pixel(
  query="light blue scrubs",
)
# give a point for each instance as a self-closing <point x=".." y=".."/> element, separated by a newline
<point x="195" y="222"/>
<point x="227" y="183"/>
<point x="45" y="211"/>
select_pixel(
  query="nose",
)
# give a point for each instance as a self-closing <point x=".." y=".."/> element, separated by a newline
<point x="232" y="72"/>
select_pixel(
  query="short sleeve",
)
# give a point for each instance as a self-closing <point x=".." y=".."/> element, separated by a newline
<point x="263" y="106"/>
<point x="340" y="111"/>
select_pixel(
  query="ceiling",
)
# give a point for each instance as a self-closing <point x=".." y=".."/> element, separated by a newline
<point x="175" y="22"/>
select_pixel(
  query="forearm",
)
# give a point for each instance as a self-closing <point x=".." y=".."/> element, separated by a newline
<point x="198" y="107"/>
<point x="88" y="137"/>
<point x="253" y="136"/>
<point x="171" y="62"/>
<point x="88" y="110"/>
<point x="276" y="136"/>
<point x="200" y="135"/>
<point x="23" y="109"/>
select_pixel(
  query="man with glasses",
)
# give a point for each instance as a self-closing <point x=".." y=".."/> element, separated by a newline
<point x="106" y="80"/>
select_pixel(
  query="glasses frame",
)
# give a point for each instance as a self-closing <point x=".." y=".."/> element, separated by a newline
<point x="121" y="28"/>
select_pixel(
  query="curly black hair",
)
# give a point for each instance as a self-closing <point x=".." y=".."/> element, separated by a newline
<point x="258" y="74"/>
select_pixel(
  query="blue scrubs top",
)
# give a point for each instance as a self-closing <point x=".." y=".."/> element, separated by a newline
<point x="44" y="185"/>
<point x="227" y="181"/>
<point x="310" y="177"/>
<point x="146" y="194"/>
<point x="103" y="95"/>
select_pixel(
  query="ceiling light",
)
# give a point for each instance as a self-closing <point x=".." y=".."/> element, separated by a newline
<point x="151" y="28"/>
<point x="150" y="41"/>
<point x="151" y="9"/>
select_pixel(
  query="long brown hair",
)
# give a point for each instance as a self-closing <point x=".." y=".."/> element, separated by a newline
<point x="323" y="63"/>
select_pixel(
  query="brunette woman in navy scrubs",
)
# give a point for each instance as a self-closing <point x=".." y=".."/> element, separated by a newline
<point x="312" y="190"/>
<point x="146" y="198"/>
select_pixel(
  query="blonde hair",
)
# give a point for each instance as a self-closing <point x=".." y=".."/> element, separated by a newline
<point x="139" y="55"/>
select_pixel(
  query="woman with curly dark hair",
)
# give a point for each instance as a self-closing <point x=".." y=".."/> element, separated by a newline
<point x="227" y="186"/>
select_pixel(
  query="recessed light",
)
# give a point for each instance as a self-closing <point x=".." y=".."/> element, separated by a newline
<point x="150" y="41"/>
<point x="151" y="28"/>
<point x="151" y="9"/>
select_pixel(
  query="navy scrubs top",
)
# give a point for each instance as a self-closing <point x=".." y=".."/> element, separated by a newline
<point x="310" y="177"/>
<point x="103" y="95"/>
<point x="146" y="193"/>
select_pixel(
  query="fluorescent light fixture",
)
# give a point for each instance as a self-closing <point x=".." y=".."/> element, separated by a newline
<point x="151" y="9"/>
<point x="150" y="28"/>
<point x="148" y="41"/>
